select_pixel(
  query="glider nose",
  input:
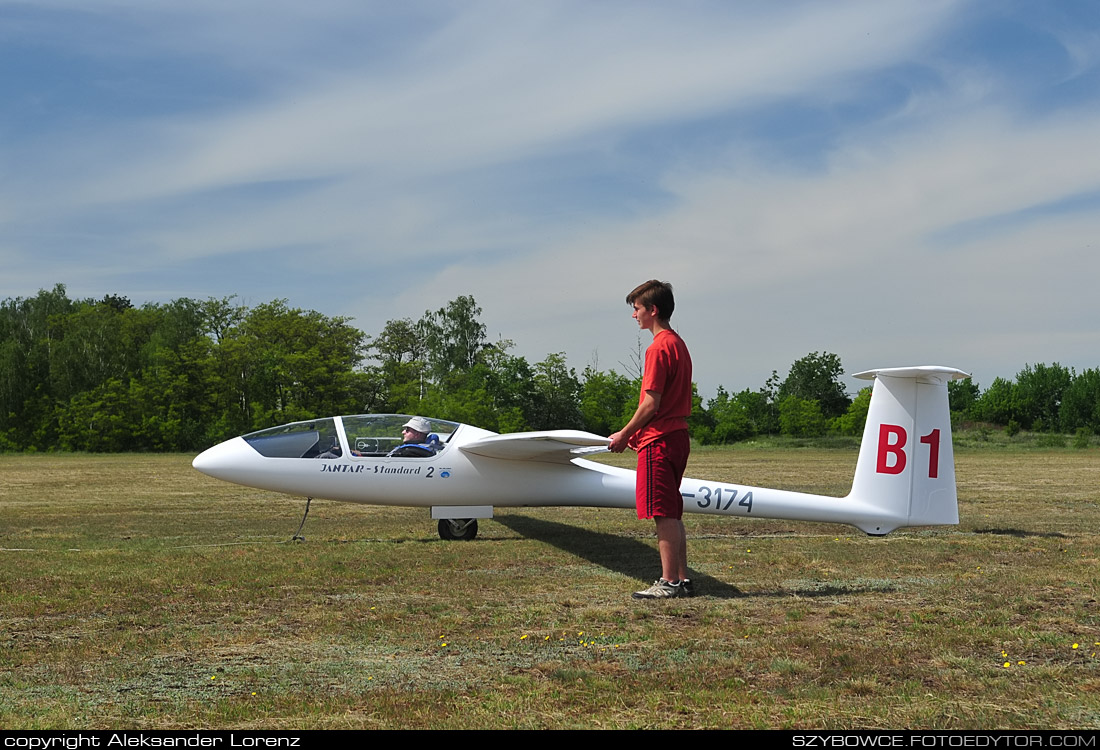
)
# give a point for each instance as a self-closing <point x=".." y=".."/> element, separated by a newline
<point x="225" y="460"/>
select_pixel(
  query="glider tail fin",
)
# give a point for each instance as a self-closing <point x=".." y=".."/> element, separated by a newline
<point x="906" y="465"/>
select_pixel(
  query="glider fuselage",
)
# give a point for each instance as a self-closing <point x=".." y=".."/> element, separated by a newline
<point x="904" y="474"/>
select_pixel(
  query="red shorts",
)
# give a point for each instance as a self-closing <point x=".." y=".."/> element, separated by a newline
<point x="661" y="466"/>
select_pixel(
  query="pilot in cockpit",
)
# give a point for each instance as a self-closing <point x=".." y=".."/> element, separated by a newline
<point x="417" y="440"/>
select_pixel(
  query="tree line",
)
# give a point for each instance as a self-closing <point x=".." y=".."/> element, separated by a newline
<point x="107" y="375"/>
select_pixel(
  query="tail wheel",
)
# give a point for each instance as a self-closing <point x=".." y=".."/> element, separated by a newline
<point x="457" y="528"/>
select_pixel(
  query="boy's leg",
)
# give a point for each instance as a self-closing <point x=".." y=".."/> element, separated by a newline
<point x="660" y="470"/>
<point x="672" y="545"/>
<point x="683" y="552"/>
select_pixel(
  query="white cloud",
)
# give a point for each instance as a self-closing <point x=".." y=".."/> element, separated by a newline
<point x="911" y="248"/>
<point x="480" y="92"/>
<point x="406" y="162"/>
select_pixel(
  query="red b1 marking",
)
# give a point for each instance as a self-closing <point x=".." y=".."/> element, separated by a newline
<point x="933" y="441"/>
<point x="891" y="442"/>
<point x="885" y="448"/>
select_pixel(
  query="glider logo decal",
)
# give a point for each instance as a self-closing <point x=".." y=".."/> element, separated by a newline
<point x="345" y="468"/>
<point x="397" y="470"/>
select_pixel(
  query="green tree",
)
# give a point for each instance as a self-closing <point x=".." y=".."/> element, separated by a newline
<point x="739" y="416"/>
<point x="1080" y="406"/>
<point x="801" y="417"/>
<point x="962" y="398"/>
<point x="854" y="420"/>
<point x="1038" y="394"/>
<point x="816" y="377"/>
<point x="557" y="395"/>
<point x="730" y="422"/>
<point x="300" y="364"/>
<point x="997" y="403"/>
<point x="453" y="336"/>
<point x="92" y="350"/>
<point x="28" y="336"/>
<point x="402" y="353"/>
<point x="463" y="401"/>
<point x="510" y="383"/>
<point x="604" y="398"/>
<point x="218" y="317"/>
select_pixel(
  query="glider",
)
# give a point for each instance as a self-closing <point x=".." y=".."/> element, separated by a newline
<point x="905" y="473"/>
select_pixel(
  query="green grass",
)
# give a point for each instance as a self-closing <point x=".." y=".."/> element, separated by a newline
<point x="136" y="593"/>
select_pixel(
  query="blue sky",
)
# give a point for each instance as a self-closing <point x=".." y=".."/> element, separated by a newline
<point x="894" y="182"/>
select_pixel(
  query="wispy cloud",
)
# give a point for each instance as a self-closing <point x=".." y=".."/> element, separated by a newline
<point x="853" y="176"/>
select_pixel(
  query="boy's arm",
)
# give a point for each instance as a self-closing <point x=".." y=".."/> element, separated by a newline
<point x="646" y="409"/>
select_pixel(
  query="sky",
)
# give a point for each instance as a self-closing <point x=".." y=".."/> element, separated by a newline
<point x="897" y="183"/>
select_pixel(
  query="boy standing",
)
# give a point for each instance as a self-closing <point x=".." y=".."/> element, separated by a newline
<point x="658" y="432"/>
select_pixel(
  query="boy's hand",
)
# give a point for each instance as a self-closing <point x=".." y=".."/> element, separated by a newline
<point x="618" y="443"/>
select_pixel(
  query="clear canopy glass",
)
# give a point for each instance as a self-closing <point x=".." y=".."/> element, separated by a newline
<point x="378" y="434"/>
<point x="299" y="440"/>
<point x="367" y="435"/>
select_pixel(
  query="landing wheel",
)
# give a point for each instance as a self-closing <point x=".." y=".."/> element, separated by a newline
<point x="457" y="528"/>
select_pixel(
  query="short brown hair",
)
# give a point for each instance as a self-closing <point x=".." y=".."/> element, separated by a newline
<point x="652" y="293"/>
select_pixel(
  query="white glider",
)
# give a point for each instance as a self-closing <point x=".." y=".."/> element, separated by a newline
<point x="905" y="474"/>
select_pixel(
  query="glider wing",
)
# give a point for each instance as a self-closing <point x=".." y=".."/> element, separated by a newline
<point x="551" y="446"/>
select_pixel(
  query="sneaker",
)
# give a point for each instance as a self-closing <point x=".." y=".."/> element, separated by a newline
<point x="661" y="589"/>
<point x="689" y="587"/>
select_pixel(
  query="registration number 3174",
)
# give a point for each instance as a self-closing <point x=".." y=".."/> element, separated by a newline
<point x="722" y="498"/>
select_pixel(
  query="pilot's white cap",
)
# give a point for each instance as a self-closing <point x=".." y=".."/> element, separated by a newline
<point x="419" y="424"/>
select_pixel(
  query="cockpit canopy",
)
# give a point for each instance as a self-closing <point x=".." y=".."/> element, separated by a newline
<point x="378" y="434"/>
<point x="299" y="440"/>
<point x="360" y="435"/>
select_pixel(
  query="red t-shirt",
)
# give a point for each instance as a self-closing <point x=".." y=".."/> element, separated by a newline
<point x="668" y="372"/>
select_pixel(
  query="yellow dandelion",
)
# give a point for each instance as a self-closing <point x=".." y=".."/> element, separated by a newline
<point x="523" y="637"/>
<point x="253" y="693"/>
<point x="214" y="676"/>
<point x="1007" y="665"/>
<point x="1021" y="662"/>
<point x="1076" y="645"/>
<point x="546" y="638"/>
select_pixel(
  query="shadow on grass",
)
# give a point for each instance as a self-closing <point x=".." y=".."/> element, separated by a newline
<point x="629" y="557"/>
<point x="638" y="560"/>
<point x="1021" y="533"/>
<point x="633" y="558"/>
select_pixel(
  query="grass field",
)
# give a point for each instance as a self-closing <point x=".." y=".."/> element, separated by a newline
<point x="137" y="593"/>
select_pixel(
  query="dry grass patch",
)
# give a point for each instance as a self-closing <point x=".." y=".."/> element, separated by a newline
<point x="138" y="593"/>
